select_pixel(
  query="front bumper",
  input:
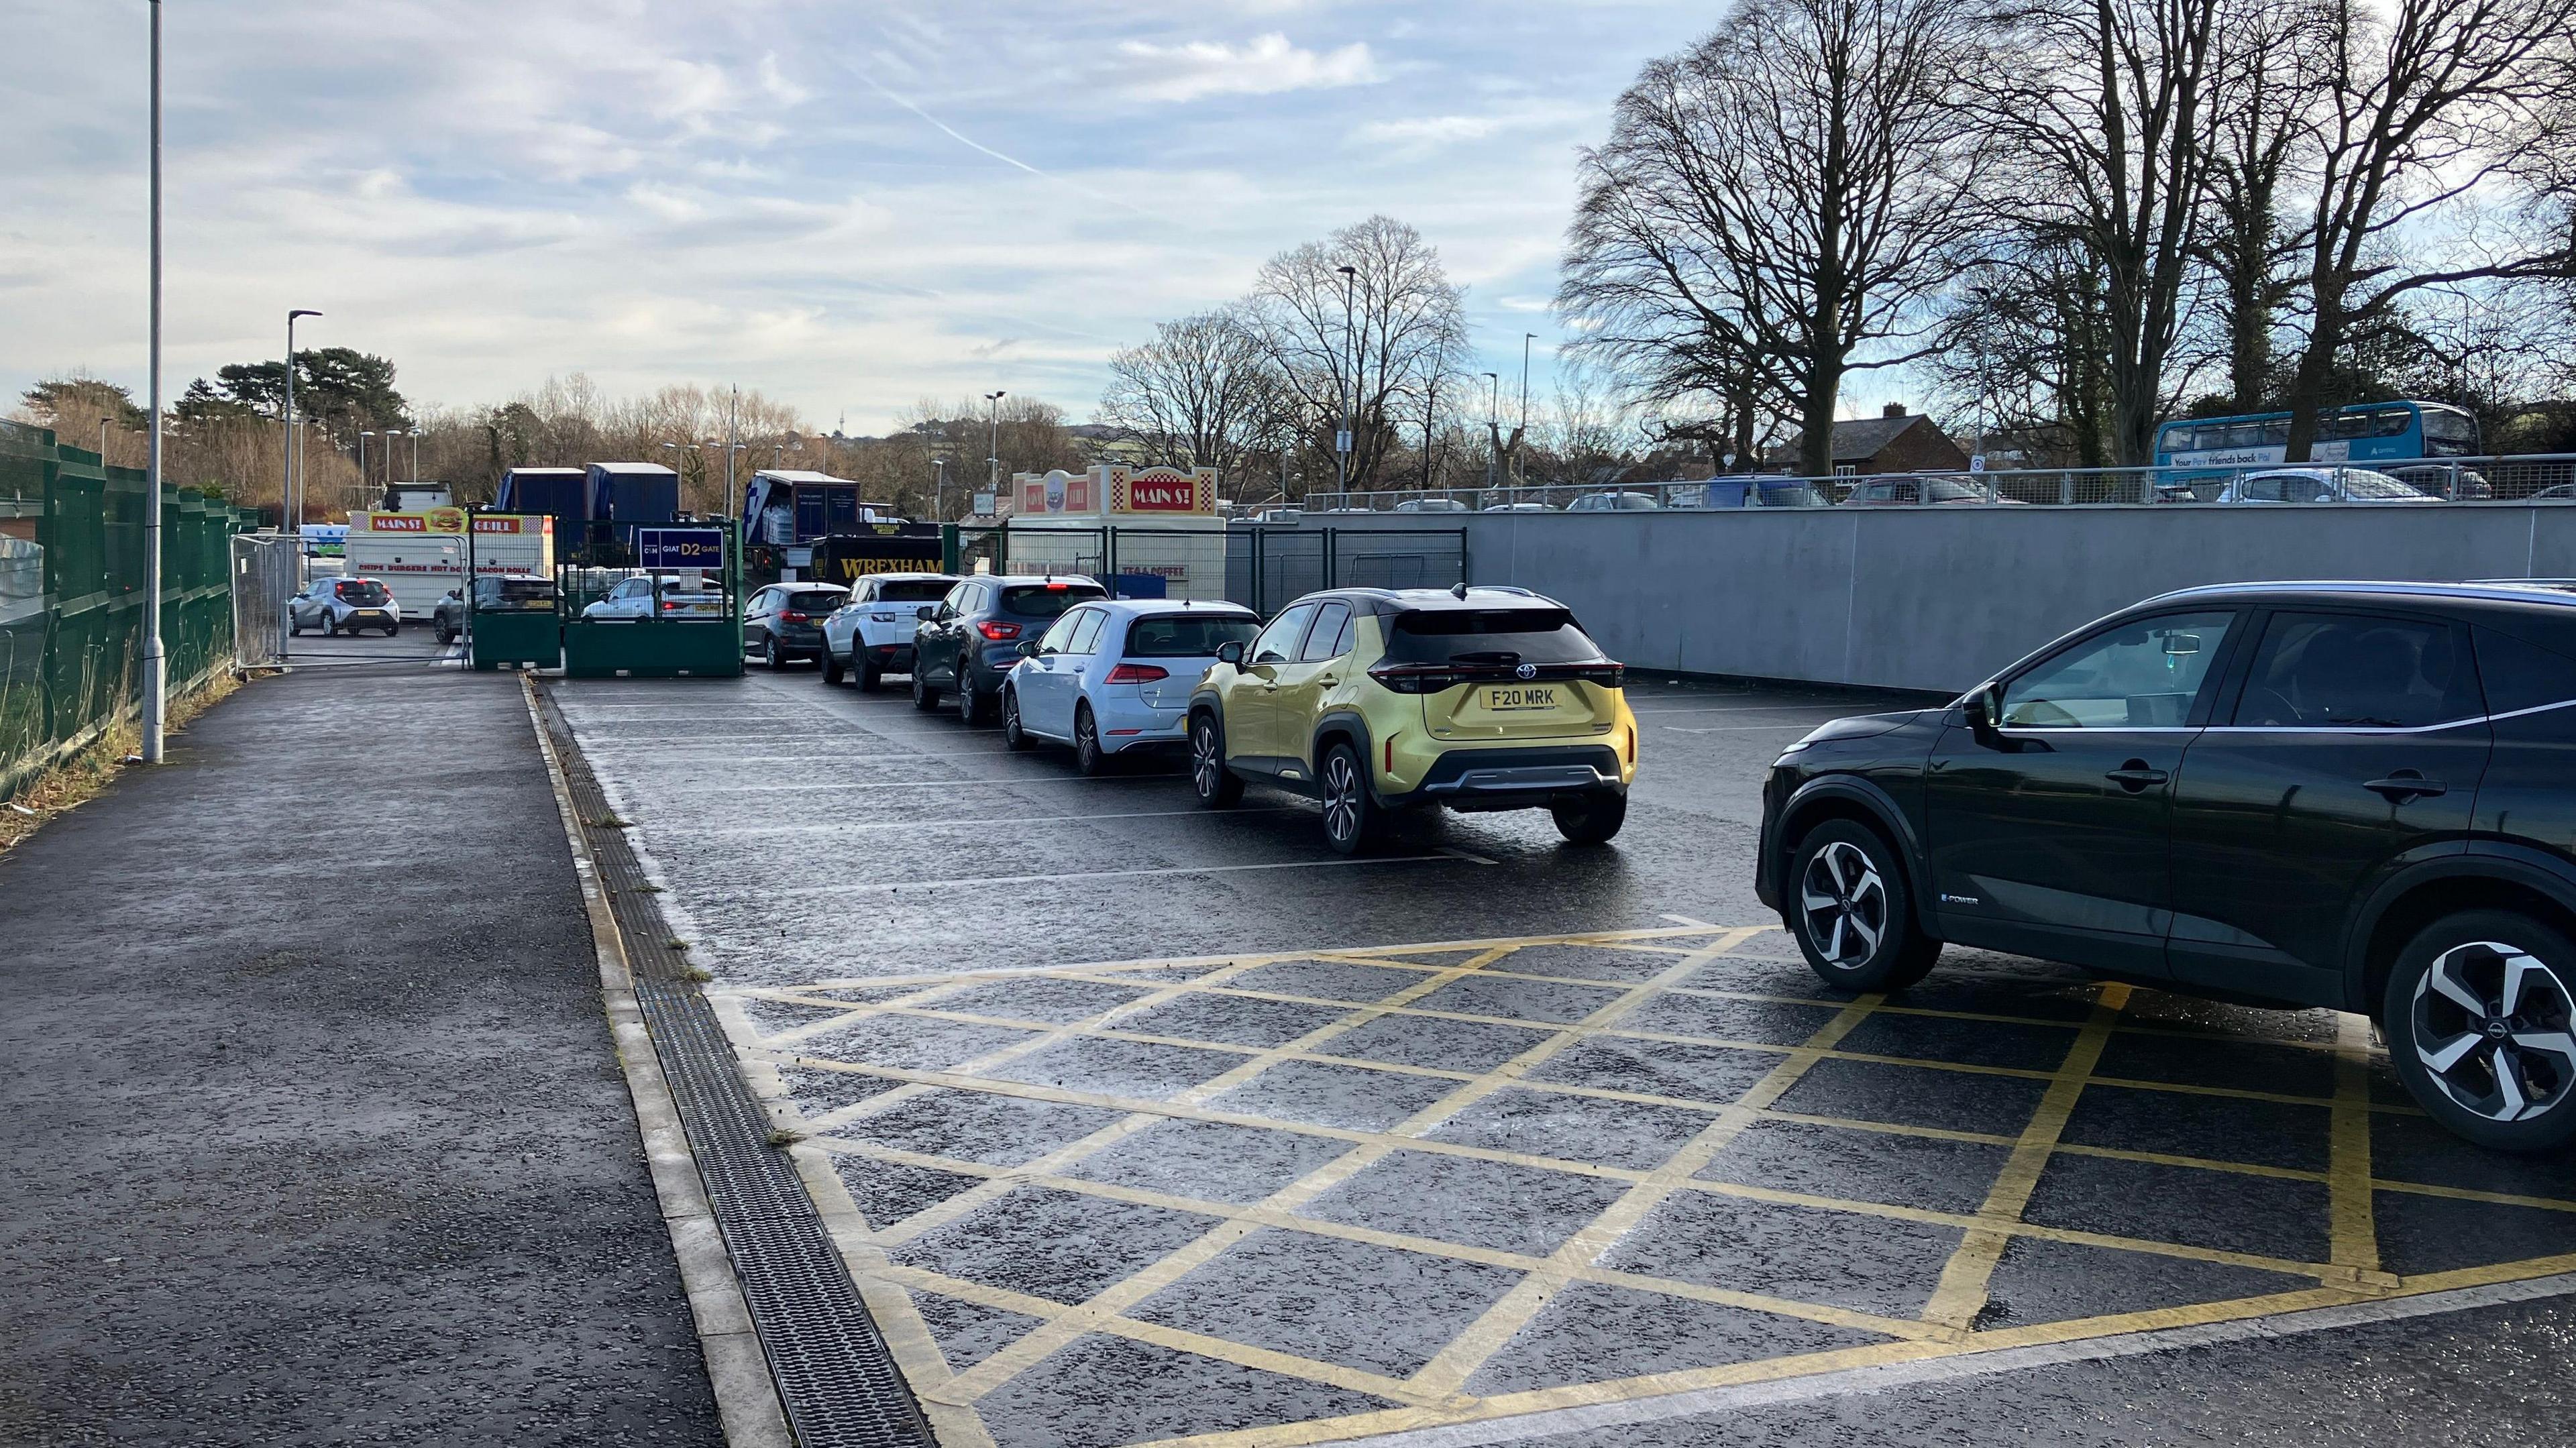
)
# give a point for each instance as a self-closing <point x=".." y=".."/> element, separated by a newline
<point x="1766" y="849"/>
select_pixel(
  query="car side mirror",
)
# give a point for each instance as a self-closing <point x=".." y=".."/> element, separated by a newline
<point x="1028" y="649"/>
<point x="1980" y="712"/>
<point x="925" y="613"/>
<point x="1230" y="654"/>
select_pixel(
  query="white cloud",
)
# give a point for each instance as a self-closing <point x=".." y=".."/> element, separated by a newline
<point x="1269" y="65"/>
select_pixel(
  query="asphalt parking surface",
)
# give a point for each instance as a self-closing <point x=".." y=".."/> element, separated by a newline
<point x="1170" y="1124"/>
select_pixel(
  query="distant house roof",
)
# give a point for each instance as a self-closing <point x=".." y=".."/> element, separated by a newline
<point x="1859" y="439"/>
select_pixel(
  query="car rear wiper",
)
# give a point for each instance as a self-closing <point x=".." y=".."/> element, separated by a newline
<point x="1486" y="656"/>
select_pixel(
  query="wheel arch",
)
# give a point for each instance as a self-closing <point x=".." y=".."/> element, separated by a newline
<point x="2498" y="877"/>
<point x="1849" y="797"/>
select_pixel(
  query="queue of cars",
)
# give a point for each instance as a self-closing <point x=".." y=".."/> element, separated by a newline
<point x="1377" y="703"/>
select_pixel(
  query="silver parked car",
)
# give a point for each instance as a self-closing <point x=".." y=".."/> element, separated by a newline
<point x="1614" y="503"/>
<point x="2320" y="485"/>
<point x="344" y="605"/>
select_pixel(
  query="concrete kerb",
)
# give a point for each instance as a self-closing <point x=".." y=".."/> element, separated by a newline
<point x="746" y="1399"/>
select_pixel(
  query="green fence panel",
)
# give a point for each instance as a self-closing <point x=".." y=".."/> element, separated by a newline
<point x="72" y="582"/>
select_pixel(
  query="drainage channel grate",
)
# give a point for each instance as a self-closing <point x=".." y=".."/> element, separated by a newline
<point x="837" y="1381"/>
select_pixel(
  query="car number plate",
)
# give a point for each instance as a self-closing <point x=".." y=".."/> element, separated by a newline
<point x="1523" y="696"/>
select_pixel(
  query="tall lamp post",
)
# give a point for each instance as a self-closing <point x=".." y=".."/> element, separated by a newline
<point x="1350" y="390"/>
<point x="390" y="434"/>
<point x="939" y="487"/>
<point x="156" y="678"/>
<point x="362" y="463"/>
<point x="993" y="451"/>
<point x="290" y="504"/>
<point x="1526" y="339"/>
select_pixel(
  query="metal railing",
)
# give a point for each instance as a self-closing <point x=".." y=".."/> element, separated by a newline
<point x="2522" y="478"/>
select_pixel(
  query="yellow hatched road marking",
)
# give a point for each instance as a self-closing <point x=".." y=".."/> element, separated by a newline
<point x="1455" y="1364"/>
<point x="1962" y="1293"/>
<point x="2354" y="1229"/>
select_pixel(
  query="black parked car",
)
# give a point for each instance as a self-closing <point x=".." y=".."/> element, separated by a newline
<point x="2353" y="795"/>
<point x="785" y="620"/>
<point x="972" y="638"/>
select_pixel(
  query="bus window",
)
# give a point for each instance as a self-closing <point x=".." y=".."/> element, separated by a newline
<point x="2449" y="434"/>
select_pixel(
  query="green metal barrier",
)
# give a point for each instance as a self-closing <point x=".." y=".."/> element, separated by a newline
<point x="71" y="595"/>
<point x="654" y="646"/>
<point x="533" y="637"/>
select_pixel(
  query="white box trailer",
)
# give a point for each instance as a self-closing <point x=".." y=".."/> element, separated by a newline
<point x="420" y="556"/>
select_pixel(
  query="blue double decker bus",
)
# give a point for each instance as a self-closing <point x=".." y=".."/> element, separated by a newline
<point x="2366" y="433"/>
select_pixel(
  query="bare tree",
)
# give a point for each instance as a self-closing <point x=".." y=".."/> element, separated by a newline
<point x="2423" y="108"/>
<point x="2107" y="109"/>
<point x="1203" y="392"/>
<point x="1405" y="319"/>
<point x="1807" y="169"/>
<point x="2024" y="347"/>
<point x="2271" y="56"/>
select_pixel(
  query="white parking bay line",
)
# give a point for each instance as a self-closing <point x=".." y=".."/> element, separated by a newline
<point x="1732" y="728"/>
<point x="1744" y="709"/>
<point x="920" y="784"/>
<point x="839" y="827"/>
<point x="897" y="886"/>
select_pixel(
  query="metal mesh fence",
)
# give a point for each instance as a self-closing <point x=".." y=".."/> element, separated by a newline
<point x="264" y="576"/>
<point x="71" y="594"/>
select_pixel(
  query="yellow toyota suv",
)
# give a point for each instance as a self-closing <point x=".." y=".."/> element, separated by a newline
<point x="1375" y="700"/>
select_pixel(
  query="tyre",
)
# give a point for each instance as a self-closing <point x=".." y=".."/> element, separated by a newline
<point x="443" y="634"/>
<point x="1851" y="914"/>
<point x="1591" y="820"/>
<point x="1013" y="736"/>
<point x="1218" y="787"/>
<point x="832" y="670"/>
<point x="1352" y="816"/>
<point x="973" y="705"/>
<point x="869" y="678"/>
<point x="770" y="657"/>
<point x="1088" y="756"/>
<point x="391" y="629"/>
<point x="924" y="697"/>
<point x="294" y="624"/>
<point x="2478" y="1017"/>
<point x="330" y="627"/>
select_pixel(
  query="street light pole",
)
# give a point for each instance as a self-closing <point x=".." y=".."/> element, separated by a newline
<point x="939" y="488"/>
<point x="363" y="435"/>
<point x="993" y="450"/>
<point x="1526" y="339"/>
<point x="1350" y="389"/>
<point x="291" y="512"/>
<point x="156" y="672"/>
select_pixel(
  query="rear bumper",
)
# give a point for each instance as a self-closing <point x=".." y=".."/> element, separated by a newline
<point x="1497" y="779"/>
<point x="885" y="658"/>
<point x="1133" y="724"/>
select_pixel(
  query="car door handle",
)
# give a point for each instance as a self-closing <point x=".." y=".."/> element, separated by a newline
<point x="2406" y="784"/>
<point x="2136" y="775"/>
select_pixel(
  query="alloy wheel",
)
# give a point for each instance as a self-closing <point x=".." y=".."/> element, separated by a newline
<point x="1205" y="768"/>
<point x="1341" y="797"/>
<point x="1845" y="904"/>
<point x="2493" y="1030"/>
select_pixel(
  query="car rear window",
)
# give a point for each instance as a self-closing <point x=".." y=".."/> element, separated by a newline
<point x="816" y="600"/>
<point x="1046" y="600"/>
<point x="1187" y="636"/>
<point x="1489" y="635"/>
<point x="929" y="590"/>
<point x="365" y="593"/>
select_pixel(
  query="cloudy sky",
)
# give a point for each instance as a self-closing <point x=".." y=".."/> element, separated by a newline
<point x="847" y="204"/>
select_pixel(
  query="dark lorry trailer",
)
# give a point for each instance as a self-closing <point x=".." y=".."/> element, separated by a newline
<point x="624" y="495"/>
<point x="562" y="494"/>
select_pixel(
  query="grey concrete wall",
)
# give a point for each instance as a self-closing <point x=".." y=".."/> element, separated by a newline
<point x="1938" y="598"/>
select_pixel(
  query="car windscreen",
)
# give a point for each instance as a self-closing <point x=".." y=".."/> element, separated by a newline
<point x="816" y="600"/>
<point x="1187" y="636"/>
<point x="365" y="593"/>
<point x="913" y="590"/>
<point x="1489" y="636"/>
<point x="1790" y="495"/>
<point x="1944" y="491"/>
<point x="1046" y="600"/>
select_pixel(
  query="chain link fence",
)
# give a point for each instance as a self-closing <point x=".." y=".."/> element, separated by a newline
<point x="264" y="575"/>
<point x="72" y="592"/>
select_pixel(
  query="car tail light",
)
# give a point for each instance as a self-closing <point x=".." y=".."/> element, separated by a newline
<point x="1390" y="756"/>
<point x="1135" y="674"/>
<point x="1608" y="676"/>
<point x="1632" y="744"/>
<point x="793" y="618"/>
<point x="998" y="632"/>
<point x="1418" y="678"/>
